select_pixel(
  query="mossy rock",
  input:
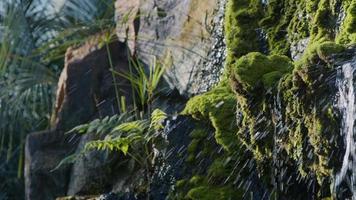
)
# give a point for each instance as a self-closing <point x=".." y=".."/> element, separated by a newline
<point x="348" y="29"/>
<point x="257" y="68"/>
<point x="214" y="193"/>
<point x="218" y="106"/>
<point x="319" y="51"/>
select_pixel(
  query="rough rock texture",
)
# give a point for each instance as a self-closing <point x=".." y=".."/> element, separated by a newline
<point x="276" y="128"/>
<point x="43" y="152"/>
<point x="101" y="172"/>
<point x="189" y="31"/>
<point x="85" y="91"/>
<point x="127" y="22"/>
<point x="297" y="49"/>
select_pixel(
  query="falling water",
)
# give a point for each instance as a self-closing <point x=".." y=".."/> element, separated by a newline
<point x="346" y="104"/>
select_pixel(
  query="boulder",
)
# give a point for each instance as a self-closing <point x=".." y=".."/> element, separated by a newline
<point x="85" y="91"/>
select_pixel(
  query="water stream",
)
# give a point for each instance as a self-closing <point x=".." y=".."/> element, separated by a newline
<point x="346" y="104"/>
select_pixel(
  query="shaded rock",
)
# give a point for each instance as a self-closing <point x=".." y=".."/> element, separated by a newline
<point x="44" y="150"/>
<point x="85" y="91"/>
<point x="97" y="171"/>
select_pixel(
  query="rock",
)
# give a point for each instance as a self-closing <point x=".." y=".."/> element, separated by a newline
<point x="44" y="150"/>
<point x="126" y="15"/>
<point x="186" y="31"/>
<point x="85" y="91"/>
<point x="97" y="171"/>
<point x="85" y="88"/>
<point x="297" y="48"/>
<point x="171" y="166"/>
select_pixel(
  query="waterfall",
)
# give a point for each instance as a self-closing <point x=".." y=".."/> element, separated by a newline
<point x="346" y="104"/>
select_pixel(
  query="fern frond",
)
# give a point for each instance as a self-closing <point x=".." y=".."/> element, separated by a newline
<point x="157" y="119"/>
<point x="138" y="127"/>
<point x="68" y="160"/>
<point x="102" y="126"/>
<point x="116" y="144"/>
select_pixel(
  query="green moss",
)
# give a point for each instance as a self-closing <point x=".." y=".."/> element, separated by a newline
<point x="241" y="23"/>
<point x="311" y="122"/>
<point x="218" y="107"/>
<point x="214" y="193"/>
<point x="249" y="70"/>
<point x="181" y="183"/>
<point x="319" y="51"/>
<point x="193" y="146"/>
<point x="196" y="180"/>
<point x="347" y="34"/>
<point x="277" y="18"/>
<point x="305" y="143"/>
<point x="219" y="169"/>
<point x="198" y="134"/>
<point x="271" y="78"/>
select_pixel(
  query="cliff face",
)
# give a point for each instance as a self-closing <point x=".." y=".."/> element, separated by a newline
<point x="273" y="117"/>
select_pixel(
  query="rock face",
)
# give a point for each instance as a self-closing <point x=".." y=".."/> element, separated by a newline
<point x="270" y="127"/>
<point x="189" y="31"/>
<point x="85" y="91"/>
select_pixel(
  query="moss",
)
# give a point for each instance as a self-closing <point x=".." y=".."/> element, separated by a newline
<point x="241" y="23"/>
<point x="271" y="78"/>
<point x="327" y="49"/>
<point x="277" y="18"/>
<point x="198" y="134"/>
<point x="214" y="193"/>
<point x="347" y="34"/>
<point x="250" y="69"/>
<point x="193" y="146"/>
<point x="181" y="183"/>
<point x="310" y="121"/>
<point x="319" y="51"/>
<point x="218" y="107"/>
<point x="305" y="142"/>
<point x="197" y="180"/>
<point x="219" y="169"/>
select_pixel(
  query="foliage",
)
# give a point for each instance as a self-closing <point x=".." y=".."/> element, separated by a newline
<point x="102" y="126"/>
<point x="138" y="140"/>
<point x="34" y="35"/>
<point x="145" y="83"/>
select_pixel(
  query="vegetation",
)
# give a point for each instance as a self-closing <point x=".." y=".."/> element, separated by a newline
<point x="139" y="140"/>
<point x="284" y="107"/>
<point x="269" y="123"/>
<point x="34" y="36"/>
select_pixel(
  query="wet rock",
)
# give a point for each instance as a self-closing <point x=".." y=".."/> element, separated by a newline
<point x="171" y="166"/>
<point x="297" y="48"/>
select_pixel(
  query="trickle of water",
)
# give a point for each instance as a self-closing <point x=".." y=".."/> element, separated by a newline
<point x="346" y="104"/>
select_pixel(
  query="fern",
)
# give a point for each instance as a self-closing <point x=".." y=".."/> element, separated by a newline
<point x="119" y="144"/>
<point x="157" y="119"/>
<point x="138" y="140"/>
<point x="132" y="127"/>
<point x="101" y="126"/>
